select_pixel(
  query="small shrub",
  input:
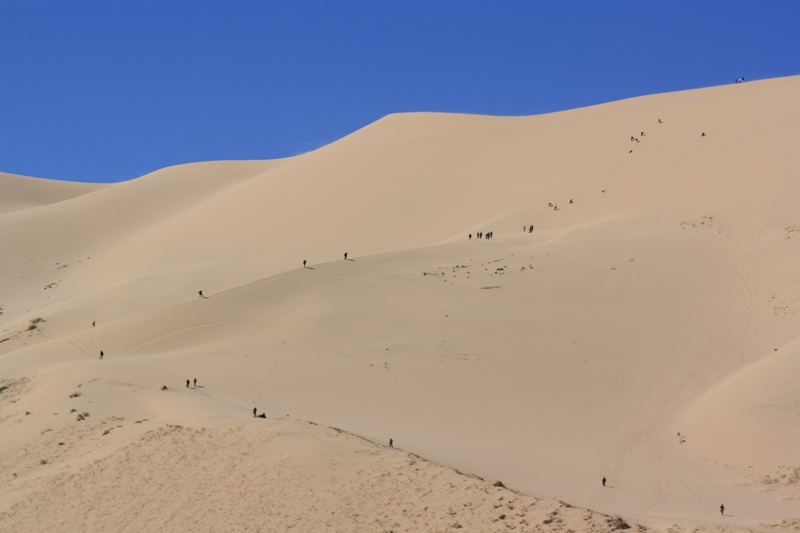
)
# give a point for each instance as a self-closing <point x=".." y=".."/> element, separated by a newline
<point x="4" y="387"/>
<point x="499" y="483"/>
<point x="60" y="443"/>
<point x="73" y="410"/>
<point x="79" y="418"/>
<point x="106" y="432"/>
<point x="163" y="387"/>
<point x="502" y="517"/>
<point x="42" y="461"/>
<point x="85" y="414"/>
<point x="74" y="394"/>
<point x="618" y="523"/>
<point x="27" y="413"/>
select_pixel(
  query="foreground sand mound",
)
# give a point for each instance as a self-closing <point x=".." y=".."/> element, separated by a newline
<point x="278" y="476"/>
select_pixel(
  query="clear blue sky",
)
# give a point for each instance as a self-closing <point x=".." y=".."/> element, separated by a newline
<point x="111" y="90"/>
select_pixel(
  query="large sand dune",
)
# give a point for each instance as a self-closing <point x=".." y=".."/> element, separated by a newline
<point x="647" y="332"/>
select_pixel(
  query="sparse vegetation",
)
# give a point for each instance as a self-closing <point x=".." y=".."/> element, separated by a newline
<point x="42" y="461"/>
<point x="35" y="323"/>
<point x="74" y="394"/>
<point x="617" y="523"/>
<point x="681" y="438"/>
<point x="499" y="483"/>
<point x="164" y="387"/>
<point x="491" y="287"/>
<point x="60" y="443"/>
<point x="73" y="410"/>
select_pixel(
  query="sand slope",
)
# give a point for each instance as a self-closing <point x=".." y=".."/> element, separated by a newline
<point x="22" y="192"/>
<point x="646" y="332"/>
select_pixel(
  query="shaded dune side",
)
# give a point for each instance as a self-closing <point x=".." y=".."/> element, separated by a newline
<point x="23" y="192"/>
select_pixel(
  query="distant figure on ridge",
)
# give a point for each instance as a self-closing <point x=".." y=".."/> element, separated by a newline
<point x="94" y="323"/>
<point x="391" y="443"/>
<point x="703" y="134"/>
<point x="101" y="355"/>
<point x="255" y="410"/>
<point x="200" y="294"/>
<point x="470" y="236"/>
<point x="604" y="481"/>
<point x="304" y="263"/>
<point x="345" y="256"/>
<point x="570" y="201"/>
<point x="195" y="383"/>
<point x="722" y="509"/>
<point x="187" y="383"/>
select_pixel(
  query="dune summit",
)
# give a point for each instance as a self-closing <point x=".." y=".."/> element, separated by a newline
<point x="644" y="331"/>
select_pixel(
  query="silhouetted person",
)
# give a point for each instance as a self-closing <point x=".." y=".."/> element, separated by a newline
<point x="570" y="201"/>
<point x="94" y="323"/>
<point x="304" y="263"/>
<point x="722" y="509"/>
<point x="630" y="151"/>
<point x="200" y="293"/>
<point x="255" y="410"/>
<point x="659" y="121"/>
<point x="470" y="236"/>
<point x="604" y="481"/>
<point x="187" y="383"/>
<point x="195" y="383"/>
<point x="345" y="256"/>
<point x="101" y="355"/>
<point x="391" y="443"/>
<point x="703" y="134"/>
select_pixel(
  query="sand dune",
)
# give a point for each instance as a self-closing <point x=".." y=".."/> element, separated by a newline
<point x="646" y="332"/>
<point x="22" y="192"/>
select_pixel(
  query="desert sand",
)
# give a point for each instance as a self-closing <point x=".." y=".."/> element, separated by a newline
<point x="646" y="331"/>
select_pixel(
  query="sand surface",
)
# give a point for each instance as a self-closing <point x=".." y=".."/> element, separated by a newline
<point x="647" y="331"/>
